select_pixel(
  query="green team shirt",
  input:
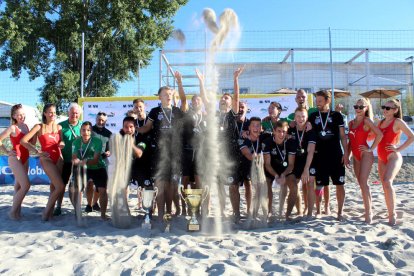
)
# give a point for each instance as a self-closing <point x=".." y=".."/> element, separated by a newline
<point x="268" y="125"/>
<point x="92" y="147"/>
<point x="291" y="116"/>
<point x="69" y="134"/>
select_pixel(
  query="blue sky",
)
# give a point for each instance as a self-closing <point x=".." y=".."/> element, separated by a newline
<point x="256" y="15"/>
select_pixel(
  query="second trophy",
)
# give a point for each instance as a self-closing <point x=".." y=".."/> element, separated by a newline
<point x="147" y="197"/>
<point x="193" y="199"/>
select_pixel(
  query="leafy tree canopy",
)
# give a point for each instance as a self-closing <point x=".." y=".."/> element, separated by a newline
<point x="44" y="38"/>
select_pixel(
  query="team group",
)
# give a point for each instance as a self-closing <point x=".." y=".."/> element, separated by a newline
<point x="180" y="144"/>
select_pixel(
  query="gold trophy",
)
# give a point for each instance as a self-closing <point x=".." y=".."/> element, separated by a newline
<point x="147" y="198"/>
<point x="193" y="199"/>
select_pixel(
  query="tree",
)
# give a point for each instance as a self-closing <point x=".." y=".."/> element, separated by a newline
<point x="44" y="38"/>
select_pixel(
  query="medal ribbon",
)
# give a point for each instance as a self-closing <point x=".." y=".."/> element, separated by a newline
<point x="84" y="151"/>
<point x="326" y="121"/>
<point x="165" y="114"/>
<point x="300" y="137"/>
<point x="284" y="149"/>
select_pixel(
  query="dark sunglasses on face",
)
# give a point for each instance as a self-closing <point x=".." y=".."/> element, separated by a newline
<point x="387" y="107"/>
<point x="101" y="113"/>
<point x="277" y="105"/>
<point x="360" y="107"/>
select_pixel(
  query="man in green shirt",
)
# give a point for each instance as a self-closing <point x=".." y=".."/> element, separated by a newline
<point x="302" y="100"/>
<point x="70" y="131"/>
<point x="87" y="151"/>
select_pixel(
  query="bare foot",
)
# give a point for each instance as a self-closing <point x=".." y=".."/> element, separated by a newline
<point x="392" y="221"/>
<point x="13" y="216"/>
<point x="105" y="217"/>
<point x="308" y="218"/>
<point x="368" y="218"/>
<point x="45" y="217"/>
<point x="340" y="217"/>
<point x="327" y="211"/>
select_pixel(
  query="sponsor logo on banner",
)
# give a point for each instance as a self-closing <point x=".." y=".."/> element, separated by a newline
<point x="36" y="173"/>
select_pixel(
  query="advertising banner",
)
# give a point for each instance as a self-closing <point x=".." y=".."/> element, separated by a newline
<point x="36" y="173"/>
<point x="117" y="107"/>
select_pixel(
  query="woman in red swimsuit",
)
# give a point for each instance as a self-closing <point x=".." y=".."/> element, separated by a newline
<point x="363" y="158"/>
<point x="49" y="135"/>
<point x="18" y="158"/>
<point x="389" y="156"/>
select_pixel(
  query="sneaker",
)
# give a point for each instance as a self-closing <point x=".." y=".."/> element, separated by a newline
<point x="96" y="207"/>
<point x="88" y="209"/>
<point x="57" y="211"/>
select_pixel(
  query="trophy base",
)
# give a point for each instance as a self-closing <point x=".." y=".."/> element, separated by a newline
<point x="146" y="226"/>
<point x="193" y="227"/>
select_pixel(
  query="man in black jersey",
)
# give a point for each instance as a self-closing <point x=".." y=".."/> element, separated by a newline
<point x="166" y="123"/>
<point x="141" y="173"/>
<point x="329" y="158"/>
<point x="228" y="139"/>
<point x="279" y="158"/>
<point x="250" y="147"/>
<point x="305" y="142"/>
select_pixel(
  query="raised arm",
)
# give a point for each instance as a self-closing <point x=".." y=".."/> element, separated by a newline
<point x="203" y="94"/>
<point x="236" y="96"/>
<point x="179" y="78"/>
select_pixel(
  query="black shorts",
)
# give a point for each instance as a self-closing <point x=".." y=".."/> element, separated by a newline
<point x="300" y="166"/>
<point x="245" y="168"/>
<point x="165" y="167"/>
<point x="230" y="174"/>
<point x="66" y="172"/>
<point x="329" y="167"/>
<point x="189" y="163"/>
<point x="142" y="177"/>
<point x="98" y="176"/>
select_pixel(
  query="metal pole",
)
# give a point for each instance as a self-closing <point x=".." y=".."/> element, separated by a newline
<point x="205" y="54"/>
<point x="332" y="75"/>
<point x="292" y="62"/>
<point x="160" y="69"/>
<point x="412" y="77"/>
<point x="83" y="64"/>
<point x="367" y="70"/>
<point x="139" y="78"/>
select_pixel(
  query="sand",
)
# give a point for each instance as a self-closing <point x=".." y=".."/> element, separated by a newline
<point x="320" y="246"/>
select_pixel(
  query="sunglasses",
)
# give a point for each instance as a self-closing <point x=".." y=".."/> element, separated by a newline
<point x="100" y="113"/>
<point x="387" y="107"/>
<point x="360" y="107"/>
<point x="277" y="105"/>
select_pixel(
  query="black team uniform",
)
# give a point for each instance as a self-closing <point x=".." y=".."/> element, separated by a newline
<point x="166" y="142"/>
<point x="254" y="147"/>
<point x="104" y="135"/>
<point x="229" y="169"/>
<point x="328" y="153"/>
<point x="141" y="167"/>
<point x="194" y="128"/>
<point x="301" y="140"/>
<point x="279" y="159"/>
